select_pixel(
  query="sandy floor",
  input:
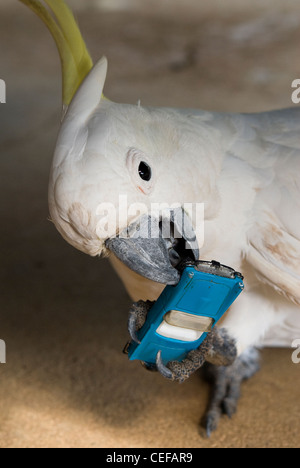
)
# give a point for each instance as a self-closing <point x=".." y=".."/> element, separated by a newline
<point x="63" y="315"/>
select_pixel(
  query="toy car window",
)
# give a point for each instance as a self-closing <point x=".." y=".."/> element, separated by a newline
<point x="195" y="322"/>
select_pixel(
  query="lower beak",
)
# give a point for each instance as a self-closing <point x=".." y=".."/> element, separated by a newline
<point x="154" y="247"/>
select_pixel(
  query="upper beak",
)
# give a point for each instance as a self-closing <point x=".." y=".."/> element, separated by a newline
<point x="153" y="247"/>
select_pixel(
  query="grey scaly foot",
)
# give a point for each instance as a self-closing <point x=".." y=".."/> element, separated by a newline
<point x="227" y="385"/>
<point x="218" y="348"/>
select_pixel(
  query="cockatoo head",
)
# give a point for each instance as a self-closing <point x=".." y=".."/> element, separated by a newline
<point x="116" y="166"/>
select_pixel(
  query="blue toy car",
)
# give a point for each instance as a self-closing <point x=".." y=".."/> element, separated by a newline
<point x="184" y="314"/>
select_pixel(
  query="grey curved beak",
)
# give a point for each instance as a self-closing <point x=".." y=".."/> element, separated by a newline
<point x="154" y="246"/>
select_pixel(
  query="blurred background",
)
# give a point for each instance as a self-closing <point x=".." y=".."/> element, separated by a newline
<point x="64" y="315"/>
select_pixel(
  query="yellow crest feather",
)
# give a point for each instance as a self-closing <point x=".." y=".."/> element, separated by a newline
<point x="75" y="59"/>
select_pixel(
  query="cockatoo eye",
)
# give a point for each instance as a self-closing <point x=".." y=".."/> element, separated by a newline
<point x="142" y="175"/>
<point x="145" y="171"/>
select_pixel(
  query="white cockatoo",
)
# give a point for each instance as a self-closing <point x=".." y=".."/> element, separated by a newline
<point x="244" y="169"/>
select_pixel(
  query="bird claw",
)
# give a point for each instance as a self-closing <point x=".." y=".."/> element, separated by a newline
<point x="181" y="371"/>
<point x="132" y="327"/>
<point x="137" y="318"/>
<point x="165" y="371"/>
<point x="218" y="347"/>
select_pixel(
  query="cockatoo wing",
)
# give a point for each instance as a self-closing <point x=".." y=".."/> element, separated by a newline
<point x="272" y="147"/>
